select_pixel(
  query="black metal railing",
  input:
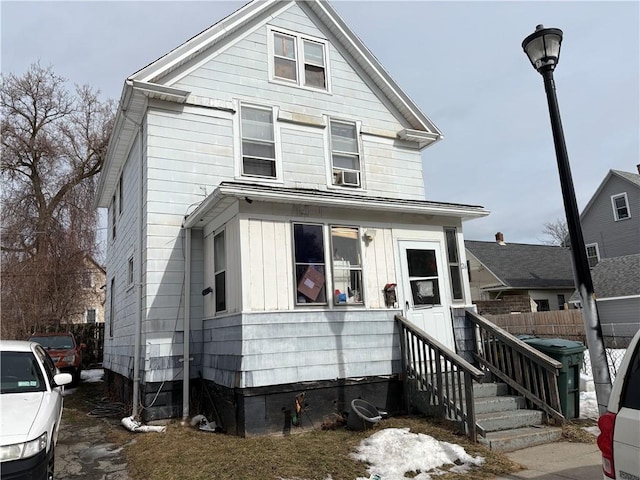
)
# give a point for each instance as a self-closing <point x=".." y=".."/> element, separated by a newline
<point x="442" y="375"/>
<point x="526" y="370"/>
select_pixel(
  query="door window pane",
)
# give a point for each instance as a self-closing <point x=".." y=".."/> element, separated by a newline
<point x="422" y="263"/>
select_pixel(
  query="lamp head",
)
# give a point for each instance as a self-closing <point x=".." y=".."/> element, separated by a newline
<point x="543" y="48"/>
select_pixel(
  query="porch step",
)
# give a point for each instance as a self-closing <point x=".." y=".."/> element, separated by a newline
<point x="507" y="424"/>
<point x="504" y="403"/>
<point x="510" y="440"/>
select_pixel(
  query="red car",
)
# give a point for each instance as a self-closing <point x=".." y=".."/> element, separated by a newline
<point x="63" y="350"/>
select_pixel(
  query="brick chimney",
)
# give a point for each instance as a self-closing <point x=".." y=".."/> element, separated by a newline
<point x="500" y="238"/>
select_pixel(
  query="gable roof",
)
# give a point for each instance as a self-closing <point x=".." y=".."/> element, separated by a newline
<point x="632" y="178"/>
<point x="144" y="82"/>
<point x="519" y="265"/>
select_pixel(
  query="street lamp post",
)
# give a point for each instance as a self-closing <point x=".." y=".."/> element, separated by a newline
<point x="543" y="49"/>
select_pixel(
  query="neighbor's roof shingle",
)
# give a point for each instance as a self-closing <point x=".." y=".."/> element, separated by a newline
<point x="520" y="265"/>
<point x="617" y="276"/>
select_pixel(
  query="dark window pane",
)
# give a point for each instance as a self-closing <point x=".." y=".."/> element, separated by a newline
<point x="259" y="167"/>
<point x="220" y="284"/>
<point x="456" y="282"/>
<point x="425" y="292"/>
<point x="309" y="247"/>
<point x="452" y="245"/>
<point x="285" y="69"/>
<point x="422" y="263"/>
<point x="314" y="76"/>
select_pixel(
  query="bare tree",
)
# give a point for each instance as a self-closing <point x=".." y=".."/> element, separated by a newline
<point x="558" y="233"/>
<point x="54" y="143"/>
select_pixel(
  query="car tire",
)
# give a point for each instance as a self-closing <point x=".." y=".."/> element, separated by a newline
<point x="51" y="464"/>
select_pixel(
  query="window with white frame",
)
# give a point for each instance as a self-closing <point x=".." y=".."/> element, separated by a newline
<point x="593" y="254"/>
<point x="91" y="315"/>
<point x="120" y="194"/>
<point x="620" y="205"/>
<point x="454" y="263"/>
<point x="112" y="306"/>
<point x="220" y="271"/>
<point x="299" y="59"/>
<point x="309" y="258"/>
<point x="347" y="265"/>
<point x="130" y="271"/>
<point x="113" y="218"/>
<point x="258" y="141"/>
<point x="345" y="153"/>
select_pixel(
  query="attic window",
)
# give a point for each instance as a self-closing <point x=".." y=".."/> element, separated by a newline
<point x="298" y="59"/>
<point x="620" y="206"/>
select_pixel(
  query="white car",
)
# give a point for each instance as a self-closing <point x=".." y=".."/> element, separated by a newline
<point x="30" y="410"/>
<point x="619" y="439"/>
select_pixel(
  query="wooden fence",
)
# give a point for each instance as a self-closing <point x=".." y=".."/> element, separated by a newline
<point x="567" y="324"/>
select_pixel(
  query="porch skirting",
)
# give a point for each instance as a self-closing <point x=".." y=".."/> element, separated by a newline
<point x="272" y="409"/>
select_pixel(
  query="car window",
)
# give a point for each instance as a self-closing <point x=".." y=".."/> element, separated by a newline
<point x="54" y="341"/>
<point x="49" y="366"/>
<point x="631" y="387"/>
<point x="20" y="372"/>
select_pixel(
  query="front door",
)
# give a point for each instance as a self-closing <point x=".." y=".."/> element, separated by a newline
<point x="424" y="289"/>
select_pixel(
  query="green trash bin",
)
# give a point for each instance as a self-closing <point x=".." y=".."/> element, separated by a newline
<point x="570" y="354"/>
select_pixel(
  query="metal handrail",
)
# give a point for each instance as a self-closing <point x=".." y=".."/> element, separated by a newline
<point x="443" y="375"/>
<point x="525" y="369"/>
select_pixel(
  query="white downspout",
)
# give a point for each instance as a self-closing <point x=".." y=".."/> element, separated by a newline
<point x="187" y="324"/>
<point x="138" y="332"/>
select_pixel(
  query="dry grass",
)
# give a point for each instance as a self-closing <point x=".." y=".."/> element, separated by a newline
<point x="185" y="453"/>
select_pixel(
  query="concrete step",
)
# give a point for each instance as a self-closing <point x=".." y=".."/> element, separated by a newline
<point x="495" y="421"/>
<point x="482" y="390"/>
<point x="510" y="440"/>
<point x="499" y="404"/>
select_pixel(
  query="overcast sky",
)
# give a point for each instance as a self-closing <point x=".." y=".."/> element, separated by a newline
<point x="461" y="62"/>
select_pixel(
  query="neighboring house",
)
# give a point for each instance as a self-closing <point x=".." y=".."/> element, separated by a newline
<point x="616" y="283"/>
<point x="611" y="229"/>
<point x="93" y="293"/>
<point x="267" y="220"/>
<point x="500" y="270"/>
<point x="611" y="220"/>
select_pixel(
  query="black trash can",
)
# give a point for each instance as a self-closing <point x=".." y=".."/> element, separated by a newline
<point x="570" y="354"/>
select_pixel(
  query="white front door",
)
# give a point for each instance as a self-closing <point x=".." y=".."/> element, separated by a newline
<point x="424" y="289"/>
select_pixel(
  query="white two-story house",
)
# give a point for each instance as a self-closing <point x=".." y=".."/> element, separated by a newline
<point x="267" y="221"/>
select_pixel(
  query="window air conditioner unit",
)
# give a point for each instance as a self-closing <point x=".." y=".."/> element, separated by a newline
<point x="350" y="179"/>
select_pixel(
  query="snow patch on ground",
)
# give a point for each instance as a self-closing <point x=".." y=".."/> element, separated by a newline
<point x="92" y="376"/>
<point x="394" y="452"/>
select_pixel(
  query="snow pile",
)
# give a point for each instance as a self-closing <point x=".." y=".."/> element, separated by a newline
<point x="394" y="452"/>
<point x="92" y="376"/>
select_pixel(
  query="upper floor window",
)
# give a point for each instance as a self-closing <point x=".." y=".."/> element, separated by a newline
<point x="299" y="59"/>
<point x="120" y="194"/>
<point x="593" y="255"/>
<point x="347" y="265"/>
<point x="113" y="218"/>
<point x="220" y="271"/>
<point x="258" y="141"/>
<point x="345" y="153"/>
<point x="620" y="205"/>
<point x="130" y="271"/>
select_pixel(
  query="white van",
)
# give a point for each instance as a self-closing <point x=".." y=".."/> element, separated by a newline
<point x="619" y="439"/>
